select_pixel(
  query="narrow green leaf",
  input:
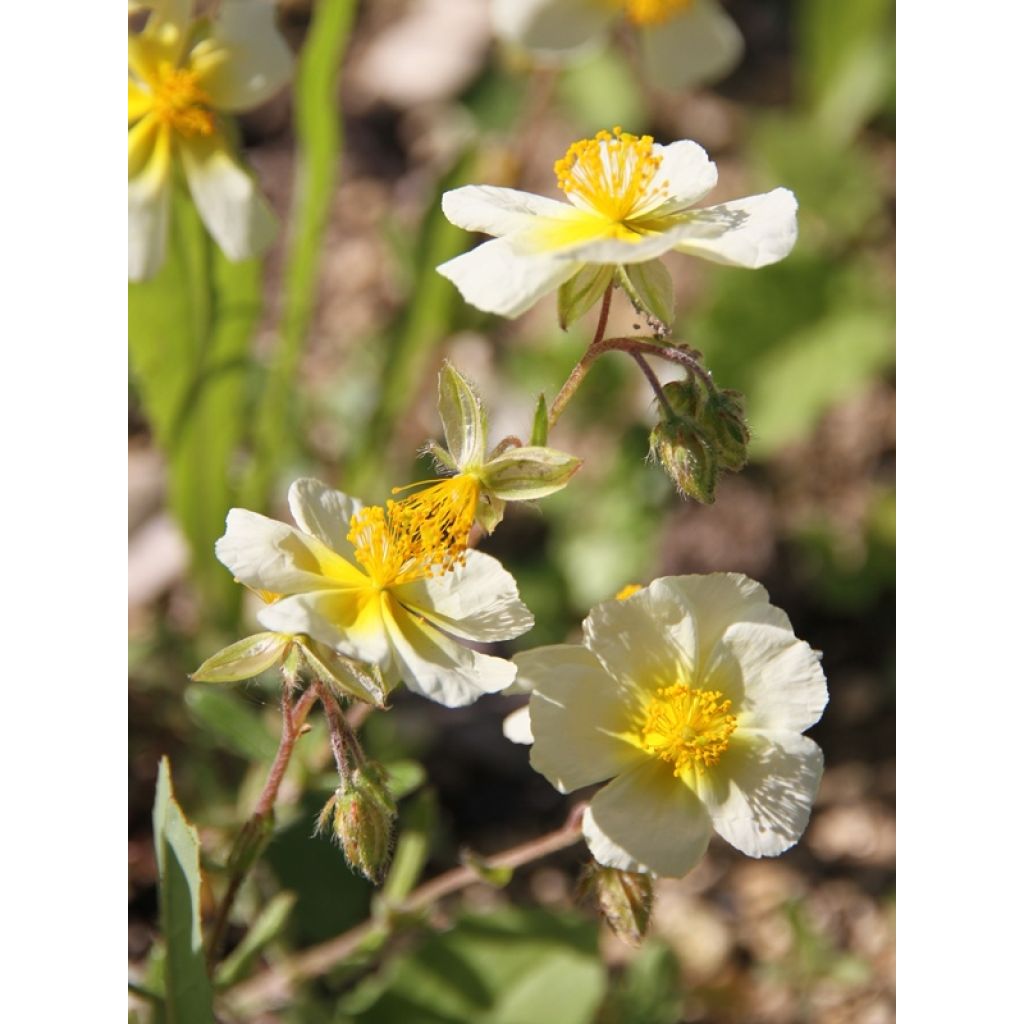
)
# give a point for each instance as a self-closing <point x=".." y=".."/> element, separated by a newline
<point x="413" y="849"/>
<point x="265" y="929"/>
<point x="539" y="433"/>
<point x="189" y="996"/>
<point x="235" y="724"/>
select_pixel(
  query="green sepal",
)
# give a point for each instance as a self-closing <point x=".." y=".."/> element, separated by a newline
<point x="462" y="418"/>
<point x="625" y="898"/>
<point x="581" y="292"/>
<point x="650" y="289"/>
<point x="522" y="474"/>
<point x="539" y="433"/>
<point x="350" y="678"/>
<point x="688" y="456"/>
<point x="243" y="659"/>
<point x="490" y="510"/>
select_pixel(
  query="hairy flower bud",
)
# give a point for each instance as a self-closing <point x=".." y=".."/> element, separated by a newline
<point x="724" y="415"/>
<point x="362" y="815"/>
<point x="688" y="455"/>
<point x="625" y="898"/>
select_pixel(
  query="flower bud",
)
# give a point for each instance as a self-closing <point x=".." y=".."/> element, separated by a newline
<point x="688" y="456"/>
<point x="724" y="417"/>
<point x="625" y="898"/>
<point x="363" y="817"/>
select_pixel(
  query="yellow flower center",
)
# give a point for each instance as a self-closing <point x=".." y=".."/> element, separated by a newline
<point x="420" y="536"/>
<point x="652" y="12"/>
<point x="613" y="175"/>
<point x="180" y="103"/>
<point x="688" y="728"/>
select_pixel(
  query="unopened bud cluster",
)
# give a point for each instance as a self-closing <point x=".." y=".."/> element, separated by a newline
<point x="361" y="816"/>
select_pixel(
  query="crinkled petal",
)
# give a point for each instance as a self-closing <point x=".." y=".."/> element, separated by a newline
<point x="751" y="232"/>
<point x="582" y="718"/>
<point x="694" y="48"/>
<point x="435" y="666"/>
<point x="516" y="726"/>
<point x="499" y="277"/>
<point x="227" y="198"/>
<point x="774" y="680"/>
<point x="647" y="820"/>
<point x="760" y="793"/>
<point x="647" y="641"/>
<point x="350" y="621"/>
<point x="267" y="555"/>
<point x="476" y="601"/>
<point x="686" y="173"/>
<point x="149" y="197"/>
<point x="496" y="211"/>
<point x="551" y="26"/>
<point x="247" y="60"/>
<point x="324" y="513"/>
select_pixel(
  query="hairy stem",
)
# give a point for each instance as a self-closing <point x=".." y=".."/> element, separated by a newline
<point x="344" y="745"/>
<point x="654" y="382"/>
<point x="579" y="371"/>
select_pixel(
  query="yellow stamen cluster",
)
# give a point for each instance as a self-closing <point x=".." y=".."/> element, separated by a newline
<point x="613" y="174"/>
<point x="420" y="536"/>
<point x="180" y="103"/>
<point x="688" y="728"/>
<point x="653" y="12"/>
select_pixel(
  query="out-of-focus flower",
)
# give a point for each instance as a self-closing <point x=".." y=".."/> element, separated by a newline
<point x="683" y="43"/>
<point x="387" y="589"/>
<point x="629" y="203"/>
<point x="184" y="74"/>
<point x="690" y="696"/>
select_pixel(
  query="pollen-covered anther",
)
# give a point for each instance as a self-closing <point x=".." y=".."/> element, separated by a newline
<point x="613" y="174"/>
<point x="689" y="728"/>
<point x="180" y="103"/>
<point x="653" y="12"/>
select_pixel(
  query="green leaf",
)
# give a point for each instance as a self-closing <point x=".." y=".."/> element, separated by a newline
<point x="649" y="990"/>
<point x="404" y="777"/>
<point x="189" y="996"/>
<point x="232" y="720"/>
<point x="602" y="92"/>
<point x="581" y="292"/>
<point x="265" y="929"/>
<point x="649" y="287"/>
<point x="243" y="659"/>
<point x="539" y="433"/>
<point x="416" y="824"/>
<point x="462" y="418"/>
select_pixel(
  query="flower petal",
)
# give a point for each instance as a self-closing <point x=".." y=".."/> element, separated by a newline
<point x="499" y="277"/>
<point x="694" y="48"/>
<point x="760" y="794"/>
<point x="647" y="641"/>
<point x="647" y="820"/>
<point x="580" y="717"/>
<point x="686" y="173"/>
<point x="163" y="38"/>
<point x="140" y="102"/>
<point x="551" y="26"/>
<point x="267" y="555"/>
<point x="774" y="680"/>
<point x="249" y="60"/>
<point x="437" y="667"/>
<point x="475" y="601"/>
<point x="324" y="513"/>
<point x="228" y="200"/>
<point x="516" y="726"/>
<point x="496" y="211"/>
<point x="149" y="197"/>
<point x="751" y="232"/>
<point x="605" y="248"/>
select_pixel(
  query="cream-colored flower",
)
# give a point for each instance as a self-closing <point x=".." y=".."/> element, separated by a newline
<point x="682" y="43"/>
<point x="381" y="587"/>
<point x="629" y="203"/>
<point x="690" y="696"/>
<point x="183" y="75"/>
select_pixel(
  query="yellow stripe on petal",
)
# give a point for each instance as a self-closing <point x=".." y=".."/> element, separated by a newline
<point x="140" y="102"/>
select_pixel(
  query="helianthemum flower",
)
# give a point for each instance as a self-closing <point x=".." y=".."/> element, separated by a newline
<point x="682" y="43"/>
<point x="383" y="586"/>
<point x="629" y="203"/>
<point x="183" y="76"/>
<point x="690" y="696"/>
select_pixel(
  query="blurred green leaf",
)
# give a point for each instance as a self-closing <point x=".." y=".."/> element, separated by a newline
<point x="189" y="331"/>
<point x="404" y="777"/>
<point x="235" y="724"/>
<point x="189" y="996"/>
<point x="416" y="826"/>
<point x="601" y="93"/>
<point x="514" y="966"/>
<point x="648" y="991"/>
<point x="265" y="929"/>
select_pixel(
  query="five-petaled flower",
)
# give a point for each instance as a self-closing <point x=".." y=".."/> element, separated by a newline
<point x="183" y="74"/>
<point x="629" y="203"/>
<point x="382" y="586"/>
<point x="691" y="696"/>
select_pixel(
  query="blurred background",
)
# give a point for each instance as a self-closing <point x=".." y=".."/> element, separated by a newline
<point x="322" y="360"/>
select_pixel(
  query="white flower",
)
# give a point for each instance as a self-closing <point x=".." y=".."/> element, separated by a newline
<point x="691" y="697"/>
<point x="183" y="74"/>
<point x="629" y="203"/>
<point x="683" y="43"/>
<point x="380" y="588"/>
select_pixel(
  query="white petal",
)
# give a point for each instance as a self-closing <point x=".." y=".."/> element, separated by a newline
<point x="751" y="232"/>
<point x="248" y="60"/>
<point x="686" y="173"/>
<point x="580" y="715"/>
<point x="694" y="48"/>
<point x="774" y="680"/>
<point x="268" y="555"/>
<point x="149" y="197"/>
<point x="475" y="601"/>
<point x="551" y="26"/>
<point x="437" y="667"/>
<point x="647" y="820"/>
<point x="516" y="726"/>
<point x="324" y="513"/>
<point x="343" y="619"/>
<point x="496" y="211"/>
<point x="228" y="200"/>
<point x="760" y="794"/>
<point x="498" y="277"/>
<point x="647" y="641"/>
